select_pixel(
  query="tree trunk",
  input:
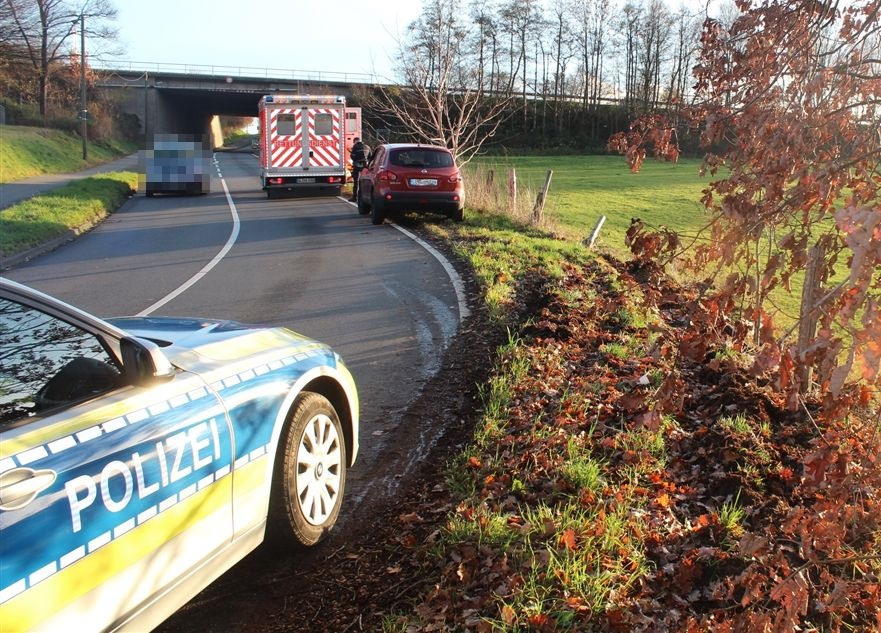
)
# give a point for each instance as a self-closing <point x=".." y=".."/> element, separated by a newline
<point x="44" y="95"/>
<point x="808" y="316"/>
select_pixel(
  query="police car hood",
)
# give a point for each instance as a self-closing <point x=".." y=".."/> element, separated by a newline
<point x="211" y="339"/>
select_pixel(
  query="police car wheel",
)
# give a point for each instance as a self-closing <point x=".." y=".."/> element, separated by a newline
<point x="311" y="476"/>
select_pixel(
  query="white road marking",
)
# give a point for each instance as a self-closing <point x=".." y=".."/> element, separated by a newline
<point x="455" y="279"/>
<point x="233" y="236"/>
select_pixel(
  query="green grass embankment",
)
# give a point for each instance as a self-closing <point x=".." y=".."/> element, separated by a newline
<point x="76" y="206"/>
<point x="237" y="138"/>
<point x="30" y="151"/>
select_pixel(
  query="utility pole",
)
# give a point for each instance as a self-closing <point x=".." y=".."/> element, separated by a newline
<point x="84" y="113"/>
<point x="146" y="106"/>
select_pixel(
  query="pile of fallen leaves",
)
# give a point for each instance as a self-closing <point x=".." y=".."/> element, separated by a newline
<point x="732" y="513"/>
<point x="628" y="484"/>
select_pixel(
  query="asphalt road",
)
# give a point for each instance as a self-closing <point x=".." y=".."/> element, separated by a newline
<point x="312" y="264"/>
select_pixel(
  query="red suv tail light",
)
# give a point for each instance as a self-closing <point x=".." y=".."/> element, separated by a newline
<point x="387" y="176"/>
<point x="456" y="178"/>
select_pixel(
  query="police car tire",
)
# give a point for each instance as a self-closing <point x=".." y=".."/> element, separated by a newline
<point x="291" y="515"/>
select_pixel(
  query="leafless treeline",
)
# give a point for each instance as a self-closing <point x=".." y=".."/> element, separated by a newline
<point x="557" y="59"/>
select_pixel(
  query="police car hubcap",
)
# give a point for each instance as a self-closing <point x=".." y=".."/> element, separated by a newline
<point x="319" y="466"/>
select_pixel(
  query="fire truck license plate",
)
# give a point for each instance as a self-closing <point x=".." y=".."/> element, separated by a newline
<point x="306" y="180"/>
<point x="423" y="182"/>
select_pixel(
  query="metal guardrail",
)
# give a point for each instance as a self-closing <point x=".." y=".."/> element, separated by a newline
<point x="237" y="71"/>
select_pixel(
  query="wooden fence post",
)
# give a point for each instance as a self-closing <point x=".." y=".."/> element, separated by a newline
<point x="512" y="188"/>
<point x="540" y="199"/>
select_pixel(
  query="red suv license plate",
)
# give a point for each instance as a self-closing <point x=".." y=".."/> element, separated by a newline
<point x="423" y="182"/>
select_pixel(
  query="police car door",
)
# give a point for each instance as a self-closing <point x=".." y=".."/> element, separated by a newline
<point x="107" y="501"/>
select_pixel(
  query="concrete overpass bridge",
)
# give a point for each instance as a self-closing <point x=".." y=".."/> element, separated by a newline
<point x="187" y="98"/>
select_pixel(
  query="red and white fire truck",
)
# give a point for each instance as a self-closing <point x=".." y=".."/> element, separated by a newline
<point x="305" y="142"/>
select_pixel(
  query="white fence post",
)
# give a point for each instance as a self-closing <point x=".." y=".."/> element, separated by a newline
<point x="596" y="231"/>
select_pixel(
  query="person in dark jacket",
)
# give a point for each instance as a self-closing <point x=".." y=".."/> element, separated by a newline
<point x="359" y="155"/>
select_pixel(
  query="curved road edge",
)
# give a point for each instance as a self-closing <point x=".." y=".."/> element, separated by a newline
<point x="455" y="278"/>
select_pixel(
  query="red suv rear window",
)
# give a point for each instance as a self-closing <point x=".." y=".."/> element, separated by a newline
<point x="420" y="157"/>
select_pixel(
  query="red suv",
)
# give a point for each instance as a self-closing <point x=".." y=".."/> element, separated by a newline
<point x="409" y="177"/>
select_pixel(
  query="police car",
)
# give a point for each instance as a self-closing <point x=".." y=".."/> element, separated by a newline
<point x="142" y="457"/>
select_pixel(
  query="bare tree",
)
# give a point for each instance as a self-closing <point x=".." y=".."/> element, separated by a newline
<point x="541" y="86"/>
<point x="653" y="39"/>
<point x="516" y="52"/>
<point x="484" y="42"/>
<point x="686" y="31"/>
<point x="441" y="100"/>
<point x="629" y="27"/>
<point x="561" y="13"/>
<point x="593" y="44"/>
<point x="522" y="21"/>
<point x="7" y="27"/>
<point x="40" y="30"/>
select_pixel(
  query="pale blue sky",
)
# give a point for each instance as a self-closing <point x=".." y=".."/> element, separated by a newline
<point x="336" y="36"/>
<point x="355" y="36"/>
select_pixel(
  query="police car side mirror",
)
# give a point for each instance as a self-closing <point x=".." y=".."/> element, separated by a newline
<point x="143" y="362"/>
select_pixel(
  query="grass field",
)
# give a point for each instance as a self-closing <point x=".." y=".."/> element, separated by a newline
<point x="583" y="188"/>
<point x="30" y="151"/>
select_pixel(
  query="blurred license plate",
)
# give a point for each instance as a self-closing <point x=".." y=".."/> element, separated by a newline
<point x="307" y="180"/>
<point x="423" y="182"/>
